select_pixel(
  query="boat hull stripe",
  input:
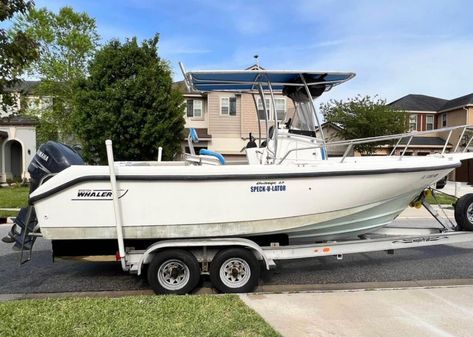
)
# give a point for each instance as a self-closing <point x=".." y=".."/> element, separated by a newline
<point x="259" y="176"/>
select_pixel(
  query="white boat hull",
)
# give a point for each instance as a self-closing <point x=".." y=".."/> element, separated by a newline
<point x="308" y="204"/>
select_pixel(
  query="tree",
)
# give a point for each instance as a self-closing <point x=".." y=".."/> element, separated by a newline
<point x="17" y="50"/>
<point x="362" y="117"/>
<point x="129" y="98"/>
<point x="67" y="42"/>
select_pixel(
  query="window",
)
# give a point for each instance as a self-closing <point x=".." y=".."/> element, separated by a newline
<point x="413" y="122"/>
<point x="429" y="123"/>
<point x="444" y="120"/>
<point x="261" y="114"/>
<point x="280" y="104"/>
<point x="194" y="108"/>
<point x="228" y="106"/>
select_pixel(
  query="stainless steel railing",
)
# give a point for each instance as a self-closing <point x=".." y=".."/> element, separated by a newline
<point x="410" y="135"/>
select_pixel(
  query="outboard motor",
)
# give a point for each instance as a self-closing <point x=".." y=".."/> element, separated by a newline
<point x="51" y="158"/>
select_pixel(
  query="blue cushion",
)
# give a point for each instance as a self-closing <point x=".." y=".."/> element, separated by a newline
<point x="204" y="152"/>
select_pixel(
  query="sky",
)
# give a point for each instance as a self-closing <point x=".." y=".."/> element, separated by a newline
<point x="395" y="47"/>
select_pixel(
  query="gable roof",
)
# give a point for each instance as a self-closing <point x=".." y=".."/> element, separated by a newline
<point x="18" y="120"/>
<point x="415" y="102"/>
<point x="23" y="87"/>
<point x="458" y="102"/>
<point x="330" y="124"/>
<point x="255" y="67"/>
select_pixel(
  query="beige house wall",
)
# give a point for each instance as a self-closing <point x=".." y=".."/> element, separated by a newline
<point x="469" y="118"/>
<point x="331" y="135"/>
<point x="223" y="126"/>
<point x="229" y="134"/>
<point x="197" y="122"/>
<point x="454" y="118"/>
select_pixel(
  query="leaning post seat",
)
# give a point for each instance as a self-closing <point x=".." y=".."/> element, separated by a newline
<point x="204" y="152"/>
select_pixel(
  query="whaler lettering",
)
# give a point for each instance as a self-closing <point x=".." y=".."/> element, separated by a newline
<point x="86" y="194"/>
<point x="97" y="194"/>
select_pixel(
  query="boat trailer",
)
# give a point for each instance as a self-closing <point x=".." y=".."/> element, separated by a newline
<point x="233" y="264"/>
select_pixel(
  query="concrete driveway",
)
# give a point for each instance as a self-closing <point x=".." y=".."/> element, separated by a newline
<point x="421" y="312"/>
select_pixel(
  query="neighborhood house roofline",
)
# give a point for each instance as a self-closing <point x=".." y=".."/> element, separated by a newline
<point x="421" y="112"/>
<point x="415" y="102"/>
<point x="457" y="107"/>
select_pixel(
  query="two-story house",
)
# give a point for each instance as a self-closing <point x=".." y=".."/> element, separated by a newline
<point x="18" y="134"/>
<point x="431" y="113"/>
<point x="224" y="120"/>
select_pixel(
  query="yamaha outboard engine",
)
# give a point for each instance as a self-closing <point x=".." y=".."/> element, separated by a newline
<point x="50" y="158"/>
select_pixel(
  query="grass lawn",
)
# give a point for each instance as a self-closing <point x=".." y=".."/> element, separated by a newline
<point x="132" y="316"/>
<point x="13" y="197"/>
<point x="442" y="199"/>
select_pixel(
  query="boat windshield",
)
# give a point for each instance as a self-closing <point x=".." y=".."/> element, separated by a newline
<point x="303" y="121"/>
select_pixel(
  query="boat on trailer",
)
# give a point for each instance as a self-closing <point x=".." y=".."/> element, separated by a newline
<point x="290" y="191"/>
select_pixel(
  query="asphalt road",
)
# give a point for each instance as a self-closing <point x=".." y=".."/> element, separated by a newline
<point x="41" y="275"/>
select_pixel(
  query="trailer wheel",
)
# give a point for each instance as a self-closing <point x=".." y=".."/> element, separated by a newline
<point x="464" y="212"/>
<point x="173" y="271"/>
<point x="234" y="270"/>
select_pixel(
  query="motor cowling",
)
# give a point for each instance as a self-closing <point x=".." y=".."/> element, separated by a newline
<point x="51" y="157"/>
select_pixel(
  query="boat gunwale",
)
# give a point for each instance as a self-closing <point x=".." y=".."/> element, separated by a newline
<point x="249" y="176"/>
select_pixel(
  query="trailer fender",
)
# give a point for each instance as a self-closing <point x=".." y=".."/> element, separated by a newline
<point x="223" y="242"/>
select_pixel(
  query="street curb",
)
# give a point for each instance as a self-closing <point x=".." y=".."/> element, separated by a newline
<point x="264" y="289"/>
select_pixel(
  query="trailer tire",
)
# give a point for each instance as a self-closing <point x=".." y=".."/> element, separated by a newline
<point x="464" y="212"/>
<point x="234" y="270"/>
<point x="173" y="271"/>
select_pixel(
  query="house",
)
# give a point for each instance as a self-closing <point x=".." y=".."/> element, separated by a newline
<point x="224" y="120"/>
<point x="331" y="133"/>
<point x="432" y="113"/>
<point x="18" y="133"/>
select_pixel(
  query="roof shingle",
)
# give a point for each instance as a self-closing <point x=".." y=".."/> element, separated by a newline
<point x="457" y="102"/>
<point x="415" y="102"/>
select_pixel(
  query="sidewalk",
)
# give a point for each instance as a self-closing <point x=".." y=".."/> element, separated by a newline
<point x="415" y="312"/>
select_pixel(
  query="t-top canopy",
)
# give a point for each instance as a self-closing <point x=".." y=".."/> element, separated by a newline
<point x="249" y="80"/>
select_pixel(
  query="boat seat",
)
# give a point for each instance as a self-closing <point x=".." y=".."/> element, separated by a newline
<point x="204" y="152"/>
<point x="205" y="157"/>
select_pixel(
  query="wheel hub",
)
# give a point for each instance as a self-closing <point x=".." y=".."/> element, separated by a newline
<point x="469" y="213"/>
<point x="235" y="272"/>
<point x="173" y="274"/>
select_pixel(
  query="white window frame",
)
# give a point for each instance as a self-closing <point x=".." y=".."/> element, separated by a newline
<point x="284" y="110"/>
<point x="201" y="108"/>
<point x="269" y="106"/>
<point x="415" y="122"/>
<point x="443" y="120"/>
<point x="427" y="123"/>
<point x="201" y="102"/>
<point x="227" y="105"/>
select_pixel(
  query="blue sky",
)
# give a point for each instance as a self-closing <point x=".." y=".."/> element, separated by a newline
<point x="395" y="47"/>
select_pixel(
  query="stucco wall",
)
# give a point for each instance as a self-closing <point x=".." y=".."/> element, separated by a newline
<point x="26" y="136"/>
